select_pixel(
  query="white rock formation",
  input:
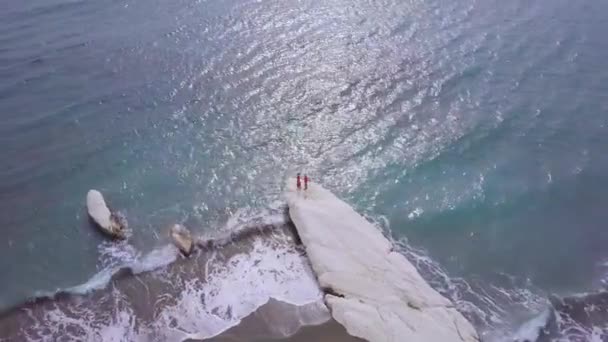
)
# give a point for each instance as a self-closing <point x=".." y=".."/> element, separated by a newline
<point x="375" y="292"/>
<point x="100" y="213"/>
<point x="181" y="238"/>
<point x="98" y="210"/>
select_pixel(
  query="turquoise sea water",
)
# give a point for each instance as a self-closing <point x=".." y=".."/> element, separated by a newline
<point x="476" y="129"/>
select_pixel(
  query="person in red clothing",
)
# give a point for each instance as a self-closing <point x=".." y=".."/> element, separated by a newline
<point x="306" y="179"/>
<point x="298" y="182"/>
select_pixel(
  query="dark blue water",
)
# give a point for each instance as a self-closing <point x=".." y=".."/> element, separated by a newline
<point x="478" y="129"/>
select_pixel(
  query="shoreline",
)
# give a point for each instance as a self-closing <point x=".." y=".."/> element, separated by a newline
<point x="204" y="295"/>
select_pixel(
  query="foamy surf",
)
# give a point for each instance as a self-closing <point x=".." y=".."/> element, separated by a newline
<point x="238" y="287"/>
<point x="120" y="257"/>
<point x="117" y="259"/>
<point x="158" y="296"/>
<point x="252" y="279"/>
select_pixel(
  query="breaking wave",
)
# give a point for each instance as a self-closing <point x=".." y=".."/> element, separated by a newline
<point x="256" y="268"/>
<point x="515" y="311"/>
<point x="161" y="296"/>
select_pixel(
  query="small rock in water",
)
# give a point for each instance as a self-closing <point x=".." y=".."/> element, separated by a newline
<point x="181" y="238"/>
<point x="109" y="223"/>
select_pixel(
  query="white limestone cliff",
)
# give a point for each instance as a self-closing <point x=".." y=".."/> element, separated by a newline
<point x="98" y="210"/>
<point x="182" y="238"/>
<point x="375" y="292"/>
<point x="110" y="224"/>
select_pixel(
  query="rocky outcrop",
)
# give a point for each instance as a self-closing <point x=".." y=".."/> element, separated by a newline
<point x="181" y="238"/>
<point x="375" y="292"/>
<point x="109" y="223"/>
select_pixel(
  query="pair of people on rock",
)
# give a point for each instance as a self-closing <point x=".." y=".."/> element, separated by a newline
<point x="299" y="182"/>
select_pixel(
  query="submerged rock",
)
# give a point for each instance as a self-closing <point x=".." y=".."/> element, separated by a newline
<point x="108" y="222"/>
<point x="181" y="238"/>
